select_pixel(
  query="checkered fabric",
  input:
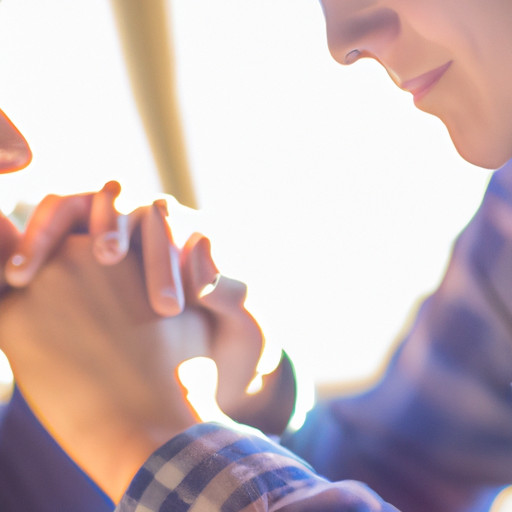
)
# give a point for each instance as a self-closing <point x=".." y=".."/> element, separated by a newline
<point x="213" y="468"/>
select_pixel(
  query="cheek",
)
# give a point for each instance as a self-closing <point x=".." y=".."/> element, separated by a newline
<point x="445" y="23"/>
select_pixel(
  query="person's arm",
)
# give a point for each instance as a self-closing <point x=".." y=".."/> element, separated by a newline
<point x="212" y="468"/>
<point x="33" y="468"/>
<point x="96" y="364"/>
<point x="198" y="281"/>
<point x="436" y="432"/>
<point x="85" y="344"/>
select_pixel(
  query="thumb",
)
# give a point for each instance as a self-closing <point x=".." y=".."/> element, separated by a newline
<point x="204" y="285"/>
<point x="271" y="408"/>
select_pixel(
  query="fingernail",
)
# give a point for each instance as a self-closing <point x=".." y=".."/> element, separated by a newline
<point x="176" y="275"/>
<point x="169" y="293"/>
<point x="109" y="247"/>
<point x="18" y="260"/>
<point x="170" y="304"/>
<point x="18" y="272"/>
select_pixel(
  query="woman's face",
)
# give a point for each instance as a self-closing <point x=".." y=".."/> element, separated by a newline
<point x="454" y="56"/>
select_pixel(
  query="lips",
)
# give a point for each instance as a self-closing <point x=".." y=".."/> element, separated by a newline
<point x="423" y="84"/>
<point x="15" y="153"/>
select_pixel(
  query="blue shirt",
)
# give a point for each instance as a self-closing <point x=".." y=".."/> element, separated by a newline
<point x="35" y="473"/>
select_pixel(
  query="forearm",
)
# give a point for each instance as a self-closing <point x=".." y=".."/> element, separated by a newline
<point x="211" y="468"/>
<point x="96" y="364"/>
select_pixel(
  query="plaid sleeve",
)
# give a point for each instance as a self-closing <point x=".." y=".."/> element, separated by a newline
<point x="212" y="468"/>
<point x="435" y="433"/>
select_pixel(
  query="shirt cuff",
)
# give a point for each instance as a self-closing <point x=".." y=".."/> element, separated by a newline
<point x="212" y="467"/>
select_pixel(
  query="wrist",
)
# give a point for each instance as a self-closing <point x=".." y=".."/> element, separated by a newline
<point x="113" y="458"/>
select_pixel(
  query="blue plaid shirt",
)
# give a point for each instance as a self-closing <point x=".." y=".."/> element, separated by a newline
<point x="210" y="467"/>
<point x="433" y="435"/>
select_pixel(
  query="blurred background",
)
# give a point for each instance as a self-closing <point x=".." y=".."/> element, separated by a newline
<point x="322" y="187"/>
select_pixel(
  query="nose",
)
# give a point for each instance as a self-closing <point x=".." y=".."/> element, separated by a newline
<point x="15" y="153"/>
<point x="357" y="29"/>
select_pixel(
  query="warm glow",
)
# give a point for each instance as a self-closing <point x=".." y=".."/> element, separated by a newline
<point x="503" y="502"/>
<point x="327" y="191"/>
<point x="199" y="376"/>
<point x="324" y="188"/>
<point x="6" y="378"/>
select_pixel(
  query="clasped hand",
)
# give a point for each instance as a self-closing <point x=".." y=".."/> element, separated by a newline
<point x="95" y="339"/>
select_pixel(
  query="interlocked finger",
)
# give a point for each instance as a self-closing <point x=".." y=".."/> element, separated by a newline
<point x="54" y="218"/>
<point x="204" y="284"/>
<point x="161" y="262"/>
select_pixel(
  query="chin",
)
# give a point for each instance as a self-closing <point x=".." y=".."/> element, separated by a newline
<point x="482" y="159"/>
<point x="482" y="151"/>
